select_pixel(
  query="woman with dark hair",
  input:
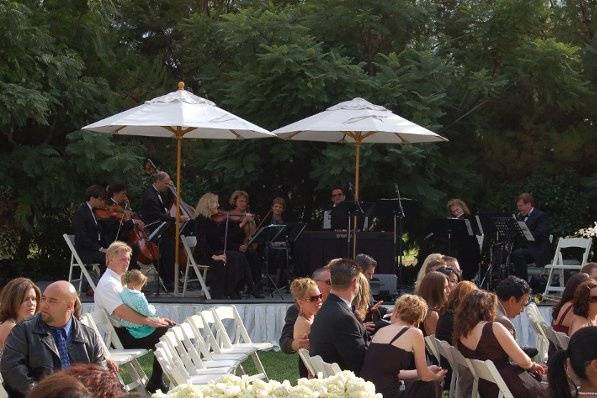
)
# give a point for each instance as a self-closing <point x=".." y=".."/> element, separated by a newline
<point x="561" y="314"/>
<point x="434" y="290"/>
<point x="477" y="336"/>
<point x="581" y="359"/>
<point x="101" y="382"/>
<point x="19" y="301"/>
<point x="60" y="385"/>
<point x="452" y="275"/>
<point x="584" y="306"/>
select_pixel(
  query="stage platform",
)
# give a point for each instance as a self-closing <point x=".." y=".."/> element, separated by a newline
<point x="264" y="318"/>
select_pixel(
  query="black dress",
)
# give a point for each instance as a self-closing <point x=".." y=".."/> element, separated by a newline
<point x="225" y="280"/>
<point x="520" y="382"/>
<point x="382" y="364"/>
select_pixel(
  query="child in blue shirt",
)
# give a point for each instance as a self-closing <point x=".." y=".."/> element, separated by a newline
<point x="131" y="295"/>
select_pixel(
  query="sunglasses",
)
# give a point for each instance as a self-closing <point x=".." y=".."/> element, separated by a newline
<point x="314" y="299"/>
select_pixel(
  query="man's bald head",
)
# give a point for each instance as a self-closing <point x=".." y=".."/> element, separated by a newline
<point x="58" y="303"/>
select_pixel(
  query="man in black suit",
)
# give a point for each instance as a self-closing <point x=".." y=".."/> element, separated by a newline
<point x="88" y="239"/>
<point x="155" y="209"/>
<point x="336" y="334"/>
<point x="539" y="250"/>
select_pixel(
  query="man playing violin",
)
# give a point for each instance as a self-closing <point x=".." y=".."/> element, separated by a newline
<point x="117" y="219"/>
<point x="88" y="237"/>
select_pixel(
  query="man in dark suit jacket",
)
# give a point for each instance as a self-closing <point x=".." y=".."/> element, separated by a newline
<point x="336" y="334"/>
<point x="155" y="208"/>
<point x="538" y="251"/>
<point x="88" y="239"/>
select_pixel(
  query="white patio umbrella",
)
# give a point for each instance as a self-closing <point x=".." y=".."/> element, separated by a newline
<point x="357" y="121"/>
<point x="179" y="114"/>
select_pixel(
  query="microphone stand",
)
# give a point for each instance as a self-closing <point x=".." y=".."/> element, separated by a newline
<point x="398" y="231"/>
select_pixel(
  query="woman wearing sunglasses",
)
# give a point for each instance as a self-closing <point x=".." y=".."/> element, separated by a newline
<point x="584" y="306"/>
<point x="309" y="300"/>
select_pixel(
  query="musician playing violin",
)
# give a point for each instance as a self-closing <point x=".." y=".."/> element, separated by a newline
<point x="117" y="219"/>
<point x="219" y="238"/>
<point x="239" y="200"/>
<point x="87" y="231"/>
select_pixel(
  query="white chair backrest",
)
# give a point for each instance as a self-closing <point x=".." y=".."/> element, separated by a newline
<point x="204" y="337"/>
<point x="217" y="340"/>
<point x="170" y="363"/>
<point x="318" y="366"/>
<point x="229" y="312"/>
<point x="188" y="347"/>
<point x="87" y="320"/>
<point x="465" y="374"/>
<point x="304" y="355"/>
<point x="430" y="343"/>
<point x="566" y="243"/>
<point x="486" y="370"/>
<point x="74" y="257"/>
<point x="110" y="336"/>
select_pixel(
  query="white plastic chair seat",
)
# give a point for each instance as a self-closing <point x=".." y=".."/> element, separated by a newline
<point x="256" y="346"/>
<point x="126" y="355"/>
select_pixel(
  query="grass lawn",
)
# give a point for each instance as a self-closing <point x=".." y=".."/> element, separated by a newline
<point x="278" y="365"/>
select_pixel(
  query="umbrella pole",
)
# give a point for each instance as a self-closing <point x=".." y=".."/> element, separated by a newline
<point x="179" y="134"/>
<point x="356" y="192"/>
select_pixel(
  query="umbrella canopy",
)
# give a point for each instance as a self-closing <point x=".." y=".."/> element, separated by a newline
<point x="357" y="121"/>
<point x="179" y="114"/>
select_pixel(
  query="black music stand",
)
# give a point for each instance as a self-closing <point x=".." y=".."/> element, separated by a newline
<point x="267" y="235"/>
<point x="454" y="229"/>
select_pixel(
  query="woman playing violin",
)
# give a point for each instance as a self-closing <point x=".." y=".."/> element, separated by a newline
<point x="218" y="243"/>
<point x="239" y="200"/>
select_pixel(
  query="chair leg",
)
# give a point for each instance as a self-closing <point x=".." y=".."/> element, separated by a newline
<point x="259" y="366"/>
<point x="549" y="280"/>
<point x="186" y="279"/>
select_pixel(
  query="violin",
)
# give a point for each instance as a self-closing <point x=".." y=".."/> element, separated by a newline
<point x="115" y="211"/>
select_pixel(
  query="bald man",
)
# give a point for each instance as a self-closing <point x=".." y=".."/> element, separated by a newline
<point x="50" y="341"/>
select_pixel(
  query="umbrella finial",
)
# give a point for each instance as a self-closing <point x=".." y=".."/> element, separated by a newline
<point x="181" y="85"/>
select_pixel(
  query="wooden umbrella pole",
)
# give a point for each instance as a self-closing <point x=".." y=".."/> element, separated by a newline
<point x="179" y="134"/>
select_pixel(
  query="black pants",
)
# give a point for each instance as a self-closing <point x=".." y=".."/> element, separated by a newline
<point x="149" y="343"/>
<point x="520" y="259"/>
<point x="226" y="281"/>
<point x="166" y="266"/>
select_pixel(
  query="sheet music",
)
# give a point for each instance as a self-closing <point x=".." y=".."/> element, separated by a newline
<point x="525" y="231"/>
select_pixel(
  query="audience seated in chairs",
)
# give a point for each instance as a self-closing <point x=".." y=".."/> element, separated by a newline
<point x="19" y="300"/>
<point x="51" y="340"/>
<point x="434" y="289"/>
<point x="431" y="263"/>
<point x="478" y="336"/>
<point x="374" y="318"/>
<point x="336" y="334"/>
<point x="578" y="362"/>
<point x="452" y="275"/>
<point x="107" y="298"/>
<point x="309" y="299"/>
<point x="288" y="343"/>
<point x="584" y="306"/>
<point x="394" y="349"/>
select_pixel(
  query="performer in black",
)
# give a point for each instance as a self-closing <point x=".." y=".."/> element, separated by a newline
<point x="155" y="209"/>
<point x="88" y="237"/>
<point x="538" y="251"/>
<point x="465" y="249"/>
<point x="339" y="210"/>
<point x="219" y="238"/>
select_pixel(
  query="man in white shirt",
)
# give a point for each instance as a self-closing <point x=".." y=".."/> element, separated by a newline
<point x="107" y="298"/>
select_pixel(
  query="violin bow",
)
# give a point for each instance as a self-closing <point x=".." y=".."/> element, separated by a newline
<point x="226" y="237"/>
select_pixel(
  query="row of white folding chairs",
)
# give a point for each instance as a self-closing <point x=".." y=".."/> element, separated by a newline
<point x="200" y="349"/>
<point x="546" y="331"/>
<point x="316" y="366"/>
<point x="466" y="371"/>
<point x="125" y="358"/>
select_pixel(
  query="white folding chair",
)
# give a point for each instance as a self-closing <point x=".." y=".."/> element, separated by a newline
<point x="559" y="263"/>
<point x="465" y="383"/>
<point x="175" y="371"/>
<point x="124" y="358"/>
<point x="75" y="261"/>
<point x="536" y="320"/>
<point x="431" y="347"/>
<point x="486" y="370"/>
<point x="206" y="343"/>
<point x="444" y="351"/>
<point x="558" y="339"/>
<point x="304" y="355"/>
<point x="242" y="342"/>
<point x="189" y="242"/>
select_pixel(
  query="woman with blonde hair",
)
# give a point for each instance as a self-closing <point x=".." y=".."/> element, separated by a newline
<point x="363" y="298"/>
<point x="19" y="300"/>
<point x="432" y="261"/>
<point x="229" y="270"/>
<point x="395" y="348"/>
<point x="309" y="299"/>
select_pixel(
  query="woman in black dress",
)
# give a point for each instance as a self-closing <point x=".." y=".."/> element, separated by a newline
<point x="229" y="271"/>
<point x="477" y="336"/>
<point x="397" y="354"/>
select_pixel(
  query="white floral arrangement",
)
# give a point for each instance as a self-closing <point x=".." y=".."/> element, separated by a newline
<point x="342" y="385"/>
<point x="589" y="232"/>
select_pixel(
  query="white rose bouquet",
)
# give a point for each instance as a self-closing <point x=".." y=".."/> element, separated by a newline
<point x="342" y="385"/>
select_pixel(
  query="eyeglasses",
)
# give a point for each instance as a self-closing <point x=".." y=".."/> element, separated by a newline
<point x="327" y="281"/>
<point x="314" y="299"/>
